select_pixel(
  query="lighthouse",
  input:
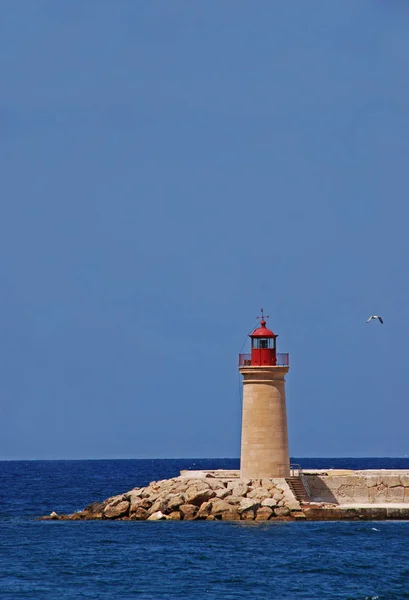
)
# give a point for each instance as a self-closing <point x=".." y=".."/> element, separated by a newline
<point x="264" y="435"/>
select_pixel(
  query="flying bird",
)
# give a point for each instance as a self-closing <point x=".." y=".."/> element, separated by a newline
<point x="375" y="317"/>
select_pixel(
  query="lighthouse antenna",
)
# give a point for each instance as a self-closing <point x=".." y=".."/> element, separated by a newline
<point x="263" y="316"/>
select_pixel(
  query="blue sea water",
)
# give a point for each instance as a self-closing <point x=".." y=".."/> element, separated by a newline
<point x="190" y="560"/>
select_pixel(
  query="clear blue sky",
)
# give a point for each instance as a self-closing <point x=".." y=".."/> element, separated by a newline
<point x="169" y="167"/>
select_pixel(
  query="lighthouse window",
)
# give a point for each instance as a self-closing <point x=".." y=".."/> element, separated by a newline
<point x="262" y="343"/>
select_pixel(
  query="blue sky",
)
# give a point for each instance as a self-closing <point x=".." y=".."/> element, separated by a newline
<point x="167" y="168"/>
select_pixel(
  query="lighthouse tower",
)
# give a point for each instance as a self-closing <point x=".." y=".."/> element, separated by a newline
<point x="264" y="437"/>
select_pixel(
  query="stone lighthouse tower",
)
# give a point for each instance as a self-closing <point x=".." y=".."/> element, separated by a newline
<point x="264" y="437"/>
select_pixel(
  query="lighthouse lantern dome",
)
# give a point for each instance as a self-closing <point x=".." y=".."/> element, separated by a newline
<point x="263" y="344"/>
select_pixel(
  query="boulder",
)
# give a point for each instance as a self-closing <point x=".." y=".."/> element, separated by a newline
<point x="288" y="495"/>
<point x="282" y="511"/>
<point x="180" y="489"/>
<point x="159" y="506"/>
<point x="176" y="484"/>
<point x="147" y="492"/>
<point x="219" y="507"/>
<point x="234" y="499"/>
<point x="176" y="500"/>
<point x="248" y="515"/>
<point x="114" y="500"/>
<point x="204" y="511"/>
<point x="134" y="503"/>
<point x="157" y="516"/>
<point x="154" y="486"/>
<point x="264" y="513"/>
<point x="222" y="493"/>
<point x="198" y="496"/>
<point x="175" y="516"/>
<point x="268" y="484"/>
<point x="259" y="494"/>
<point x="200" y="484"/>
<point x="115" y="511"/>
<point x="216" y="485"/>
<point x="157" y="489"/>
<point x="188" y="511"/>
<point x="248" y="504"/>
<point x="140" y="514"/>
<point x="270" y="502"/>
<point x="238" y="488"/>
<point x="230" y="515"/>
<point x="256" y="483"/>
<point x="85" y="516"/>
<point x="76" y="517"/>
<point x="135" y="493"/>
<point x="96" y="508"/>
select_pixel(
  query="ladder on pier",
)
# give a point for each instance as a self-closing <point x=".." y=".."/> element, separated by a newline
<point x="298" y="484"/>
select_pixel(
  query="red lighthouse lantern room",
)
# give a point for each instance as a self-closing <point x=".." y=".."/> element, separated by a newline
<point x="263" y="345"/>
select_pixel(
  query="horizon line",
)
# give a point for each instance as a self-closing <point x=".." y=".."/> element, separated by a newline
<point x="193" y="458"/>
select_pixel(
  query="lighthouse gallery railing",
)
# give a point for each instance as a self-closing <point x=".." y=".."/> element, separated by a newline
<point x="283" y="359"/>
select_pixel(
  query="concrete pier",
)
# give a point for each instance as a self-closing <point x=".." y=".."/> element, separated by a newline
<point x="346" y="495"/>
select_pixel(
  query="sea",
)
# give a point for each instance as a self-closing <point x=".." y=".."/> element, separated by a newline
<point x="192" y="560"/>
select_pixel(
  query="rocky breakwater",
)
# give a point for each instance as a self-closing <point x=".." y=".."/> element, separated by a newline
<point x="197" y="498"/>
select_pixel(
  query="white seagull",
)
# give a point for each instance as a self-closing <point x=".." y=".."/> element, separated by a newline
<point x="375" y="317"/>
